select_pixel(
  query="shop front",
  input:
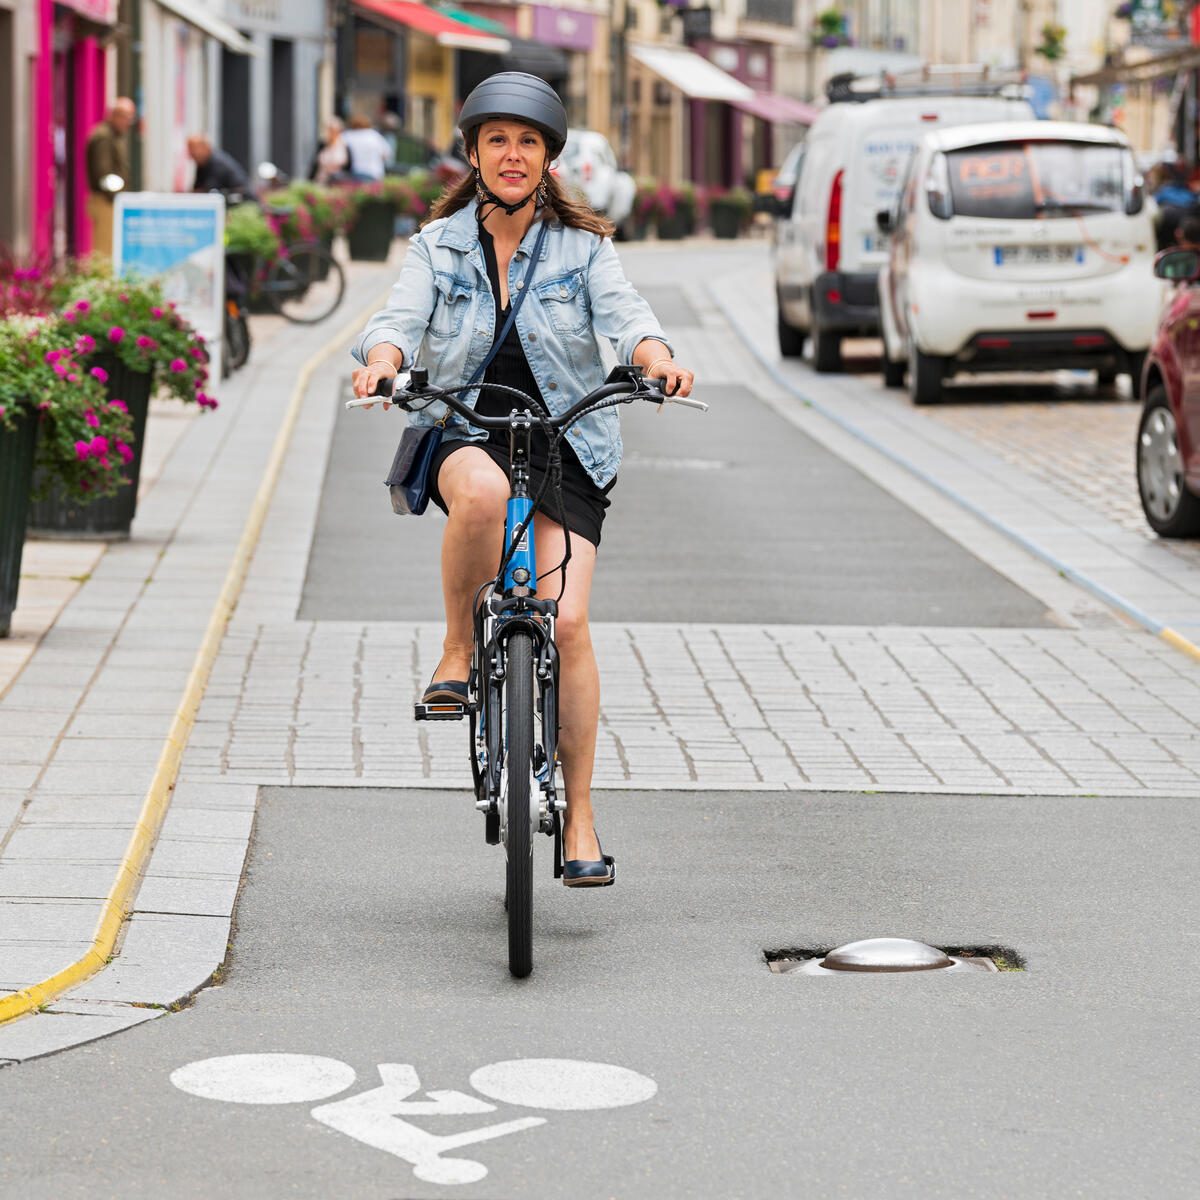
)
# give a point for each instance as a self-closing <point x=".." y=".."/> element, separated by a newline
<point x="69" y="97"/>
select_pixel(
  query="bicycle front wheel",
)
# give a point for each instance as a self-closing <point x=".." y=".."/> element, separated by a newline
<point x="305" y="283"/>
<point x="518" y="840"/>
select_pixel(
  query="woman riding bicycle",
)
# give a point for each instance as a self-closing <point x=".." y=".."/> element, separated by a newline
<point x="462" y="273"/>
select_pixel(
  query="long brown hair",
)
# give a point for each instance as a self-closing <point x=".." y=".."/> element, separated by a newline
<point x="573" y="213"/>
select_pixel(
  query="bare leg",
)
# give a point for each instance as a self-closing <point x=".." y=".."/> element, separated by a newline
<point x="579" y="680"/>
<point x="476" y="492"/>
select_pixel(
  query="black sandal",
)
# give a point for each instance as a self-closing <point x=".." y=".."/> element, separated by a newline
<point x="582" y="872"/>
<point x="446" y="691"/>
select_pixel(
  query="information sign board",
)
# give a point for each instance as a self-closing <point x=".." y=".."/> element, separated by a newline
<point x="179" y="239"/>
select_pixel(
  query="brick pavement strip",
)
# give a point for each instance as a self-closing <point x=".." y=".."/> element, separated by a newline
<point x="963" y="710"/>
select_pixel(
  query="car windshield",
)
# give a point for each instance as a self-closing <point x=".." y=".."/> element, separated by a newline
<point x="1022" y="180"/>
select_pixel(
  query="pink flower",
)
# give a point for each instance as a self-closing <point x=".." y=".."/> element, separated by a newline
<point x="177" y="364"/>
<point x="98" y="445"/>
<point x="99" y="373"/>
<point x="146" y="343"/>
<point x="60" y="369"/>
<point x="124" y="299"/>
<point x="125" y="452"/>
<point x="45" y="404"/>
<point x="69" y="317"/>
<point x="116" y="333"/>
<point x="82" y="450"/>
<point x="196" y="352"/>
<point x="119" y="405"/>
<point x="73" y="377"/>
<point x="82" y="306"/>
<point x="91" y="418"/>
<point x="156" y="313"/>
<point x="52" y="356"/>
<point x="85" y="344"/>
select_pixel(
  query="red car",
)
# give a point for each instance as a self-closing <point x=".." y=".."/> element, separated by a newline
<point x="1168" y="443"/>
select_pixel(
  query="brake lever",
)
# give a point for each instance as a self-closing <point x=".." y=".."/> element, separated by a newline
<point x="658" y="396"/>
<point x="385" y="392"/>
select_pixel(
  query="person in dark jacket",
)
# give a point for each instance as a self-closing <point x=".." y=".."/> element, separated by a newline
<point x="216" y="171"/>
<point x="107" y="162"/>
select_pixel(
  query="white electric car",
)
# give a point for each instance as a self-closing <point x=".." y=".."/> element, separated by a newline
<point x="1018" y="246"/>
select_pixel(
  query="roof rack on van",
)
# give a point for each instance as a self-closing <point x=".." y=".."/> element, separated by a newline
<point x="938" y="79"/>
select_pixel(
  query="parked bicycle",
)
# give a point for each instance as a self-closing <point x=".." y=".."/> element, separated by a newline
<point x="304" y="283"/>
<point x="512" y="707"/>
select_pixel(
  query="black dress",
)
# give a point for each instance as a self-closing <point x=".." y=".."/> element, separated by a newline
<point x="584" y="501"/>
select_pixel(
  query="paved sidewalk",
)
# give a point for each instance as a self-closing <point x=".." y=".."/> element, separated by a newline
<point x="83" y="725"/>
<point x="1060" y="481"/>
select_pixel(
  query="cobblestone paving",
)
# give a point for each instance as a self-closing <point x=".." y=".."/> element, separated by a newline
<point x="983" y="711"/>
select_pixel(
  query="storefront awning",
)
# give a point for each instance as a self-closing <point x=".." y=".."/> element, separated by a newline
<point x="446" y="31"/>
<point x="215" y="27"/>
<point x="1161" y="66"/>
<point x="779" y="110"/>
<point x="694" y="76"/>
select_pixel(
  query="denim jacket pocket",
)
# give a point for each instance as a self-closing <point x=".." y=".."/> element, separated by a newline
<point x="451" y="304"/>
<point x="564" y="301"/>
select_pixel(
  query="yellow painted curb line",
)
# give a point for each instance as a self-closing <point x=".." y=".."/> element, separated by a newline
<point x="158" y="796"/>
<point x="1180" y="642"/>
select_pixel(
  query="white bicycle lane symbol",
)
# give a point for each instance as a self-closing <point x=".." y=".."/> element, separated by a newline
<point x="378" y="1117"/>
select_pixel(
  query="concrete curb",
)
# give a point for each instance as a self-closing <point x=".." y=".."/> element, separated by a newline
<point x="1110" y="597"/>
<point x="141" y="843"/>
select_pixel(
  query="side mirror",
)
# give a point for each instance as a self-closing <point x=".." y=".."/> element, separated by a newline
<point x="883" y="218"/>
<point x="1181" y="265"/>
<point x="784" y="202"/>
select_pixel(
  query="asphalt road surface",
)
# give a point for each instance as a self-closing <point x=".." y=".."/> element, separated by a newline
<point x="370" y="931"/>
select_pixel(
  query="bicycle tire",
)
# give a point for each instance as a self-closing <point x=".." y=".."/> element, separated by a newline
<point x="237" y="342"/>
<point x="305" y="284"/>
<point x="518" y="842"/>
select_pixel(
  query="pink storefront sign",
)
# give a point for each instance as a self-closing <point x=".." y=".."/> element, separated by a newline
<point x="564" y="27"/>
<point x="102" y="11"/>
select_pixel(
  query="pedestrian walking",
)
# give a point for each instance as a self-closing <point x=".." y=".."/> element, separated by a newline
<point x="461" y="274"/>
<point x="332" y="158"/>
<point x="107" y="160"/>
<point x="216" y="171"/>
<point x="368" y="148"/>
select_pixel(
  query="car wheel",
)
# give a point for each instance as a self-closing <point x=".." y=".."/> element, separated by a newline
<point x="893" y="372"/>
<point x="791" y="339"/>
<point x="1171" y="510"/>
<point x="926" y="373"/>
<point x="827" y="351"/>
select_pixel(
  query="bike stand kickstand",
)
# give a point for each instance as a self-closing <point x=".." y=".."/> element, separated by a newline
<point x="558" y="857"/>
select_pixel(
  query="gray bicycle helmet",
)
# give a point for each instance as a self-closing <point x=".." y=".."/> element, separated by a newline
<point x="512" y="95"/>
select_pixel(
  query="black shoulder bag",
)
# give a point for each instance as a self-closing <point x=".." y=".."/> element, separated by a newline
<point x="408" y="480"/>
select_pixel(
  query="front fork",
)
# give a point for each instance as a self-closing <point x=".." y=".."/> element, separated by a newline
<point x="494" y="620"/>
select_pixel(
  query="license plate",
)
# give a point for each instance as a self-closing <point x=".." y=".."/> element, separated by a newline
<point x="1021" y="256"/>
<point x="875" y="243"/>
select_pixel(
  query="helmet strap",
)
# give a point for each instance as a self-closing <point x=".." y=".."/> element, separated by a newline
<point x="485" y="195"/>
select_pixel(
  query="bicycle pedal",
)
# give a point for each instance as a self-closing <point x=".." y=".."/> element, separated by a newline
<point x="440" y="712"/>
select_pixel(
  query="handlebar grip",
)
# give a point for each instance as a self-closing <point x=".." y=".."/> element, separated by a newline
<point x="384" y="387"/>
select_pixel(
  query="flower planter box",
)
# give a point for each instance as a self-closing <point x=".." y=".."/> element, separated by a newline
<point x="16" y="475"/>
<point x="672" y="228"/>
<point x="370" y="237"/>
<point x="726" y="221"/>
<point x="107" y="517"/>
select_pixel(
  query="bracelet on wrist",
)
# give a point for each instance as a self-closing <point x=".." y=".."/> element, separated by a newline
<point x="382" y="362"/>
<point x="664" y="359"/>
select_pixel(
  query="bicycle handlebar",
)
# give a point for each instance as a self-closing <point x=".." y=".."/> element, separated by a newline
<point x="622" y="380"/>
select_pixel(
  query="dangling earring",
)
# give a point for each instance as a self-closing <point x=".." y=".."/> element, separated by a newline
<point x="480" y="194"/>
<point x="542" y="190"/>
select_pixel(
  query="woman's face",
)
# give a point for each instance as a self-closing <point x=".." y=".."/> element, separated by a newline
<point x="510" y="157"/>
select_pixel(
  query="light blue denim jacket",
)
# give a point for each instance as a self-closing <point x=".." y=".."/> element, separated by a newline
<point x="442" y="315"/>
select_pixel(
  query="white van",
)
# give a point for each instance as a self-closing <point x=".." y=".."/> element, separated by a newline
<point x="828" y="252"/>
<point x="1022" y="246"/>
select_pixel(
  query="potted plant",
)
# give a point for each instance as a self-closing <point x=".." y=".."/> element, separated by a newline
<point x="127" y="330"/>
<point x="729" y="212"/>
<point x="408" y="202"/>
<point x="668" y="220"/>
<point x="369" y="222"/>
<point x="641" y="213"/>
<point x="688" y="204"/>
<point x="829" y="30"/>
<point x="1054" y="42"/>
<point x="58" y="429"/>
